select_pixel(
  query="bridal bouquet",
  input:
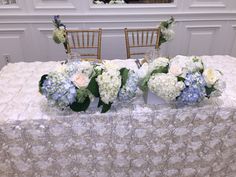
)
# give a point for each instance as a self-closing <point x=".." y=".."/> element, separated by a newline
<point x="183" y="80"/>
<point x="167" y="32"/>
<point x="77" y="84"/>
<point x="59" y="33"/>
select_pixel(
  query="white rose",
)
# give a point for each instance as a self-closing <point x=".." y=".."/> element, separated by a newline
<point x="81" y="80"/>
<point x="210" y="76"/>
<point x="175" y="70"/>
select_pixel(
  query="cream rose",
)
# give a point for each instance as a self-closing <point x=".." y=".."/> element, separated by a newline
<point x="81" y="80"/>
<point x="210" y="76"/>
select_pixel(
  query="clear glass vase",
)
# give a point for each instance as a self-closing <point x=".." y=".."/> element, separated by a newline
<point x="73" y="57"/>
<point x="151" y="55"/>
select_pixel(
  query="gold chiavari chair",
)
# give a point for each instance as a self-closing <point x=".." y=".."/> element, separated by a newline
<point x="141" y="38"/>
<point x="88" y="41"/>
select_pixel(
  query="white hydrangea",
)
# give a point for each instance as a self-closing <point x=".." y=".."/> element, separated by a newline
<point x="110" y="65"/>
<point x="157" y="63"/>
<point x="109" y="83"/>
<point x="85" y="68"/>
<point x="181" y="65"/>
<point x="165" y="86"/>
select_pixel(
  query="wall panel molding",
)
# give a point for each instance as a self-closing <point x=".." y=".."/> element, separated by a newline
<point x="202" y="26"/>
<point x="201" y="39"/>
<point x="53" y="5"/>
<point x="207" y="4"/>
<point x="233" y="46"/>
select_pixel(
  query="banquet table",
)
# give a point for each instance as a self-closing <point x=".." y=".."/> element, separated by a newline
<point x="132" y="139"/>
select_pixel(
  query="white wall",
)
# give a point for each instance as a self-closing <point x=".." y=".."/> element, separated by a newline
<point x="204" y="27"/>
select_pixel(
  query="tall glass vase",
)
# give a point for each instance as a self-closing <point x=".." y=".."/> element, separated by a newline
<point x="73" y="57"/>
<point x="151" y="55"/>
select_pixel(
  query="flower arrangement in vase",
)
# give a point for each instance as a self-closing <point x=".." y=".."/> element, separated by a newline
<point x="77" y="84"/>
<point x="182" y="80"/>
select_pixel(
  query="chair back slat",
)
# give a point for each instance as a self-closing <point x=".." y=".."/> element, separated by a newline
<point x="147" y="33"/>
<point x="137" y="37"/>
<point x="93" y="39"/>
<point x="152" y="37"/>
<point x="73" y="39"/>
<point x="78" y="39"/>
<point x="141" y="38"/>
<point x="133" y="38"/>
<point x="85" y="40"/>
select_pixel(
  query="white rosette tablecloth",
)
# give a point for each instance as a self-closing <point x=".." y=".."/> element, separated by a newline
<point x="130" y="140"/>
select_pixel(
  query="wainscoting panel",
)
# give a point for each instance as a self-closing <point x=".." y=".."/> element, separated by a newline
<point x="201" y="39"/>
<point x="203" y="27"/>
<point x="233" y="49"/>
<point x="48" y="49"/>
<point x="10" y="40"/>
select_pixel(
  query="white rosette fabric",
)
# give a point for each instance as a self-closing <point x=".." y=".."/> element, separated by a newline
<point x="132" y="140"/>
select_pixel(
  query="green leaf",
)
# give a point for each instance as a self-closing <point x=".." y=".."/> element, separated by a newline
<point x="105" y="107"/>
<point x="93" y="87"/>
<point x="124" y="72"/>
<point x="162" y="39"/>
<point x="180" y="79"/>
<point x="160" y="70"/>
<point x="209" y="90"/>
<point x="78" y="107"/>
<point x="43" y="78"/>
<point x="82" y="94"/>
<point x="165" y="24"/>
<point x="143" y="84"/>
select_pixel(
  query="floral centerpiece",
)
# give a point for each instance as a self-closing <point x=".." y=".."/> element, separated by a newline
<point x="183" y="80"/>
<point x="76" y="84"/>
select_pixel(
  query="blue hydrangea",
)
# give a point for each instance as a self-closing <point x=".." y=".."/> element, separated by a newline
<point x="128" y="91"/>
<point x="195" y="80"/>
<point x="194" y="91"/>
<point x="191" y="96"/>
<point x="59" y="90"/>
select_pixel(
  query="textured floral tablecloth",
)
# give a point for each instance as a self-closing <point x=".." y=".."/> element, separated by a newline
<point x="131" y="140"/>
